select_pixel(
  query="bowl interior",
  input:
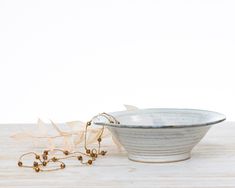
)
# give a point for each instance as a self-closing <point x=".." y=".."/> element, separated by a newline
<point x="162" y="117"/>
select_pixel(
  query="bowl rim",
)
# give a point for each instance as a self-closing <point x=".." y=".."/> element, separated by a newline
<point x="220" y="117"/>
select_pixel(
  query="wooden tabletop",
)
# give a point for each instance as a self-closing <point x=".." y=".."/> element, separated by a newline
<point x="212" y="166"/>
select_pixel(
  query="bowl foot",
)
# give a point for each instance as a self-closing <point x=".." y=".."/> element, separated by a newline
<point x="160" y="159"/>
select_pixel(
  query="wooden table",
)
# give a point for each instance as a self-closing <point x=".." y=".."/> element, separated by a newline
<point x="212" y="165"/>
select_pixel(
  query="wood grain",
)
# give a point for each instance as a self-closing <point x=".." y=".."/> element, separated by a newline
<point x="212" y="166"/>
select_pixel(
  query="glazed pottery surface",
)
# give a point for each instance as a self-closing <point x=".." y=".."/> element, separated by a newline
<point x="161" y="135"/>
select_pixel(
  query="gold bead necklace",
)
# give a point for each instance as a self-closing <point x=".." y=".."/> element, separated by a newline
<point x="42" y="161"/>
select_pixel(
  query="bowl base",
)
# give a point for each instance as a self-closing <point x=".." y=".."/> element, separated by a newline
<point x="160" y="159"/>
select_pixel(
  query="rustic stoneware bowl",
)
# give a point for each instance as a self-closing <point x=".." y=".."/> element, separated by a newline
<point x="161" y="135"/>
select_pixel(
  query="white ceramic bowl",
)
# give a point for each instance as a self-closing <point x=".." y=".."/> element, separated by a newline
<point x="161" y="135"/>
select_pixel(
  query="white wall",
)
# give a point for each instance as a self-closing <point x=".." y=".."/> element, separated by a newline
<point x="68" y="60"/>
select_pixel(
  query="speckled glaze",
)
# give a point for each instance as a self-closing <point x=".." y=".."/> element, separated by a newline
<point x="161" y="135"/>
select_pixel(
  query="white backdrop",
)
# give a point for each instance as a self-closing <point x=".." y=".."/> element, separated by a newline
<point x="69" y="60"/>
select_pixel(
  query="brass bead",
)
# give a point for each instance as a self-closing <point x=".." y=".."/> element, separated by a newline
<point x="99" y="139"/>
<point x="35" y="164"/>
<point x="80" y="158"/>
<point x="92" y="154"/>
<point x="45" y="152"/>
<point x="44" y="163"/>
<point x="96" y="155"/>
<point x="44" y="157"/>
<point x="103" y="152"/>
<point x="20" y="163"/>
<point x="37" y="157"/>
<point x="88" y="151"/>
<point x="66" y="152"/>
<point x="62" y="166"/>
<point x="89" y="162"/>
<point x="37" y="169"/>
<point x="88" y="123"/>
<point x="111" y="122"/>
<point x="54" y="159"/>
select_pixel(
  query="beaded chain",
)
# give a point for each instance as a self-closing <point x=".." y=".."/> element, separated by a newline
<point x="42" y="161"/>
